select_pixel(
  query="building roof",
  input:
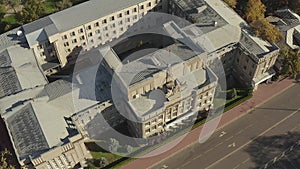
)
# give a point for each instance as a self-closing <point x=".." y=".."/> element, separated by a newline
<point x="41" y="114"/>
<point x="73" y="17"/>
<point x="18" y="70"/>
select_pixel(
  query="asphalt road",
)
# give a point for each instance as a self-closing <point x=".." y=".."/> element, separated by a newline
<point x="267" y="137"/>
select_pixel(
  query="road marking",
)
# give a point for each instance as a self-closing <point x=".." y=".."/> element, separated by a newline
<point x="185" y="164"/>
<point x="246" y="160"/>
<point x="229" y="138"/>
<point x="231" y="145"/>
<point x="236" y="166"/>
<point x="238" y="133"/>
<point x="222" y="134"/>
<point x="197" y="157"/>
<point x="208" y="150"/>
<point x="241" y="147"/>
<point x="219" y="144"/>
<point x="249" y="126"/>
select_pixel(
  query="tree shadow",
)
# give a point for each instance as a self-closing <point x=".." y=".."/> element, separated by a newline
<point x="284" y="148"/>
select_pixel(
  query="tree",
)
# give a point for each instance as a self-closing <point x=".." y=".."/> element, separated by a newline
<point x="103" y="162"/>
<point x="231" y="3"/>
<point x="63" y="4"/>
<point x="129" y="149"/>
<point x="3" y="161"/>
<point x="12" y="3"/>
<point x="33" y="10"/>
<point x="294" y="5"/>
<point x="266" y="30"/>
<point x="290" y="61"/>
<point x="2" y="11"/>
<point x="255" y="10"/>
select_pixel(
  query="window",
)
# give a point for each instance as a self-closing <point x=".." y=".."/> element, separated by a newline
<point x="74" y="41"/>
<point x="113" y="25"/>
<point x="114" y="32"/>
<point x="153" y="121"/>
<point x="82" y="37"/>
<point x="147" y="124"/>
<point x="42" y="54"/>
<point x="149" y="4"/>
<point x="153" y="128"/>
<point x="147" y="131"/>
<point x="112" y="18"/>
<point x="134" y="10"/>
<point x="128" y="19"/>
<point x="100" y="38"/>
<point x="92" y="41"/>
<point x="80" y="30"/>
<point x="120" y="15"/>
<point x="66" y="44"/>
<point x="89" y="27"/>
<point x="72" y="33"/>
<point x="40" y="47"/>
<point x="127" y="12"/>
<point x="104" y="21"/>
<point x="121" y="29"/>
<point x="105" y="28"/>
<point x="65" y="37"/>
<point x="97" y="31"/>
<point x="96" y="24"/>
<point x="134" y="17"/>
<point x="90" y="34"/>
<point x="142" y="7"/>
<point x="160" y="117"/>
<point x="120" y="22"/>
<point x="160" y="124"/>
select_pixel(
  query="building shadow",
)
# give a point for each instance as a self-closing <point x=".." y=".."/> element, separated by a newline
<point x="277" y="151"/>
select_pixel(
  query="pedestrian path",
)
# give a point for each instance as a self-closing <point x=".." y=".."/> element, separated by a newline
<point x="264" y="93"/>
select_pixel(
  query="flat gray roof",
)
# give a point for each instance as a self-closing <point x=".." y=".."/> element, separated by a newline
<point x="19" y="70"/>
<point x="26" y="132"/>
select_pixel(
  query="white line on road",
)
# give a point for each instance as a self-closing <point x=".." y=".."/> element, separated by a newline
<point x="246" y="160"/>
<point x="236" y="166"/>
<point x="218" y="144"/>
<point x="229" y="138"/>
<point x="248" y="126"/>
<point x="238" y="149"/>
<point x="197" y="157"/>
<point x="208" y="150"/>
<point x="238" y="133"/>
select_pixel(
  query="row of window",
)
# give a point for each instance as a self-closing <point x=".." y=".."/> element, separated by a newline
<point x="153" y="128"/>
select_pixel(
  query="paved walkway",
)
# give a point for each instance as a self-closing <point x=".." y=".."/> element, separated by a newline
<point x="264" y="93"/>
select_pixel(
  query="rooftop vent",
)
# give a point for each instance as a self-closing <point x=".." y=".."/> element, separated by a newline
<point x="201" y="8"/>
<point x="19" y="33"/>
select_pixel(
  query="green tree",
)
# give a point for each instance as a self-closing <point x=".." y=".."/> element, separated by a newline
<point x="63" y="4"/>
<point x="3" y="161"/>
<point x="266" y="30"/>
<point x="12" y="3"/>
<point x="2" y="11"/>
<point x="231" y="3"/>
<point x="294" y="5"/>
<point x="103" y="162"/>
<point x="33" y="10"/>
<point x="290" y="61"/>
<point x="255" y="10"/>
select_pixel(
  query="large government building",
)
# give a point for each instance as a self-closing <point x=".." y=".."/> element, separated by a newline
<point x="49" y="122"/>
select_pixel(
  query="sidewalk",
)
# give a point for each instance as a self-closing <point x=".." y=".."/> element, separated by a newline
<point x="264" y="93"/>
